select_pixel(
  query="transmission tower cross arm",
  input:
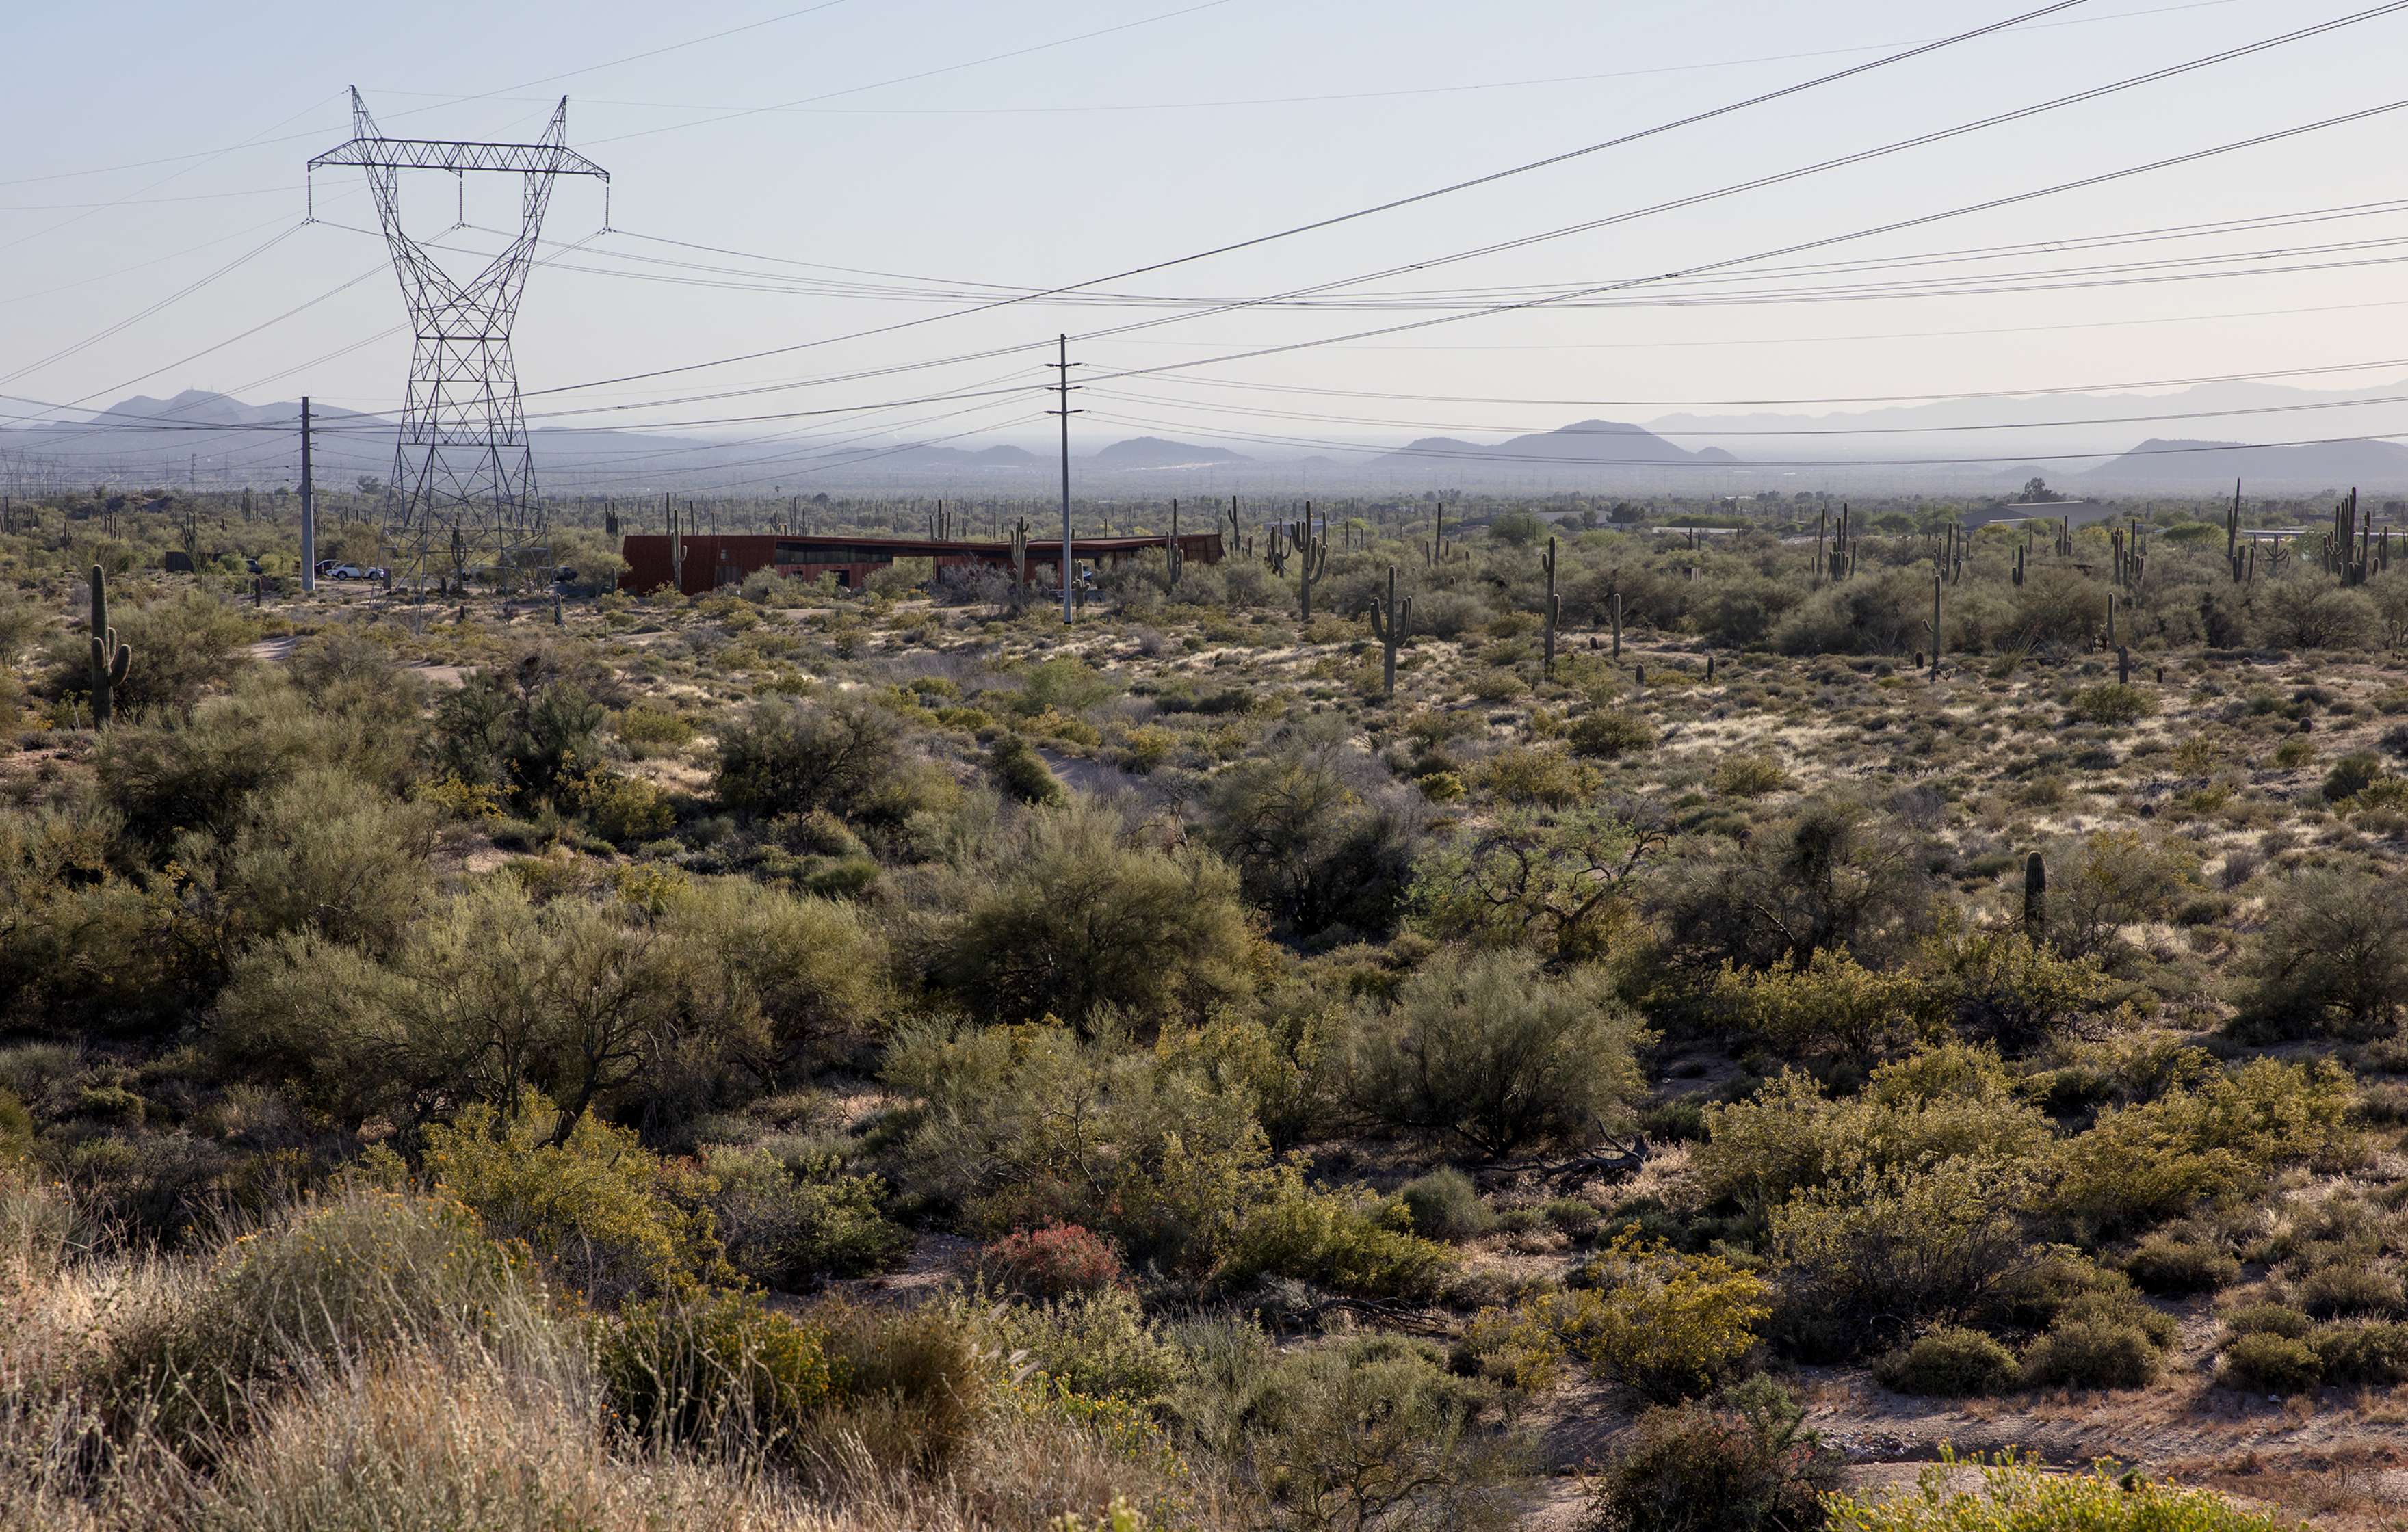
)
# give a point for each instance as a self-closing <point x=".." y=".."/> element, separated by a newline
<point x="435" y="154"/>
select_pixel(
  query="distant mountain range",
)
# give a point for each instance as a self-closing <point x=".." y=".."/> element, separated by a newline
<point x="1590" y="444"/>
<point x="207" y="438"/>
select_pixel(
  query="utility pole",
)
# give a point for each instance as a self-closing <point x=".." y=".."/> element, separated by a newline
<point x="308" y="508"/>
<point x="1062" y="385"/>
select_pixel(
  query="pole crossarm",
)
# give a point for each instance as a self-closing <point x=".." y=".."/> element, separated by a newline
<point x="435" y="154"/>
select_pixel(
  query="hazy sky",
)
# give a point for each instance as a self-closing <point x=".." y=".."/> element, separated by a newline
<point x="1171" y="136"/>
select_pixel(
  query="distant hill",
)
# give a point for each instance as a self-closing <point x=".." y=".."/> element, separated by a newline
<point x="2162" y="461"/>
<point x="1157" y="452"/>
<point x="1601" y="444"/>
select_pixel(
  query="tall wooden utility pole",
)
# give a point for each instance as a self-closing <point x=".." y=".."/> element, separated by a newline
<point x="308" y="508"/>
<point x="1062" y="384"/>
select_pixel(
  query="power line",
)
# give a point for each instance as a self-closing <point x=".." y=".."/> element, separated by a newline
<point x="1490" y="177"/>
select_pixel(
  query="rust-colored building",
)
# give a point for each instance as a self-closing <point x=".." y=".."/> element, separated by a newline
<point x="725" y="559"/>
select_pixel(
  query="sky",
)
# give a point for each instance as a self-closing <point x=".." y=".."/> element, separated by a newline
<point x="863" y="164"/>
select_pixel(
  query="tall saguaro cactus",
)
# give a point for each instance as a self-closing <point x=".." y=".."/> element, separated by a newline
<point x="1936" y="583"/>
<point x="110" y="660"/>
<point x="1018" y="561"/>
<point x="1172" y="556"/>
<point x="1555" y="608"/>
<point x="1389" y="620"/>
<point x="2035" y="898"/>
<point x="1312" y="558"/>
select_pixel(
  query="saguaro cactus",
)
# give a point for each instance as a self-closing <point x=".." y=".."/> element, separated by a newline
<point x="1019" y="562"/>
<point x="1174" y="558"/>
<point x="1312" y="557"/>
<point x="1554" y="609"/>
<point x="110" y="660"/>
<point x="2035" y="898"/>
<point x="1614" y="617"/>
<point x="1389" y="620"/>
<point x="1936" y="583"/>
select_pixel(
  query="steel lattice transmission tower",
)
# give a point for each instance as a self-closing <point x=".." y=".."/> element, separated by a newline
<point x="463" y="473"/>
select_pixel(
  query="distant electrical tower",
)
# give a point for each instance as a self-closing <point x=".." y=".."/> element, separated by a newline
<point x="462" y="474"/>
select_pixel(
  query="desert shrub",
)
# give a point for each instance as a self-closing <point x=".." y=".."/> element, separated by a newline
<point x="789" y="1226"/>
<point x="1322" y="839"/>
<point x="1024" y="774"/>
<point x="1559" y="884"/>
<point x="355" y="1276"/>
<point x="2361" y="1355"/>
<point x="2263" y="1363"/>
<point x="1868" y="1253"/>
<point x="1952" y="1102"/>
<point x="1833" y="874"/>
<point x="1834" y="1007"/>
<point x="1950" y="1362"/>
<point x="2017" y="991"/>
<point x="1446" y="1206"/>
<point x="2306" y="613"/>
<point x="1659" y="1321"/>
<point x="1888" y="613"/>
<point x="2345" y="1289"/>
<point x="1490" y="1051"/>
<point x="812" y="969"/>
<point x="912" y="1385"/>
<point x="1332" y="1240"/>
<point x="2351" y="775"/>
<point x="1080" y="916"/>
<point x="2111" y="704"/>
<point x="1519" y="1347"/>
<point x="2141" y="1165"/>
<point x="2092" y="1352"/>
<point x="2109" y="880"/>
<point x="2019" y="1496"/>
<point x="609" y="1216"/>
<point x="183" y="644"/>
<point x="327" y="852"/>
<point x="623" y="808"/>
<point x="1020" y="1126"/>
<point x="320" y="1018"/>
<point x="789" y="757"/>
<point x="2332" y="958"/>
<point x="1054" y="1261"/>
<point x="2269" y="1319"/>
<point x="1538" y="775"/>
<point x="1606" y="733"/>
<point x="525" y="729"/>
<point x="1746" y="1464"/>
<point x="715" y="1369"/>
<point x="2164" y="1264"/>
<point x="1375" y="1434"/>
<point x="1748" y="776"/>
<point x="197" y="772"/>
<point x="1097" y="1342"/>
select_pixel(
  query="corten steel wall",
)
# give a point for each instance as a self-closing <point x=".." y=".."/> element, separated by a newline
<point x="712" y="561"/>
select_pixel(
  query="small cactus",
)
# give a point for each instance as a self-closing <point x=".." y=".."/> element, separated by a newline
<point x="110" y="660"/>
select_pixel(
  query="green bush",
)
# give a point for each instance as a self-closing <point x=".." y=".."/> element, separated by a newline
<point x="2333" y="959"/>
<point x="2269" y="1319"/>
<point x="912" y="1385"/>
<point x="1098" y="1343"/>
<point x="2166" y="1265"/>
<point x="717" y="1370"/>
<point x="1331" y="1240"/>
<point x="352" y="1277"/>
<point x="1365" y="1432"/>
<point x="609" y="1216"/>
<point x="2270" y="1363"/>
<point x="1666" y="1324"/>
<point x="1080" y="916"/>
<point x="2351" y="775"/>
<point x="1948" y="1363"/>
<point x="789" y="757"/>
<point x="1746" y="1465"/>
<point x="2364" y="1356"/>
<point x="2345" y="1289"/>
<point x="1606" y="733"/>
<point x="1024" y="774"/>
<point x="2081" y="1352"/>
<point x="1491" y="1050"/>
<point x="790" y="1225"/>
<point x="1446" y="1206"/>
<point x="2020" y="1495"/>
<point x="2111" y="704"/>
